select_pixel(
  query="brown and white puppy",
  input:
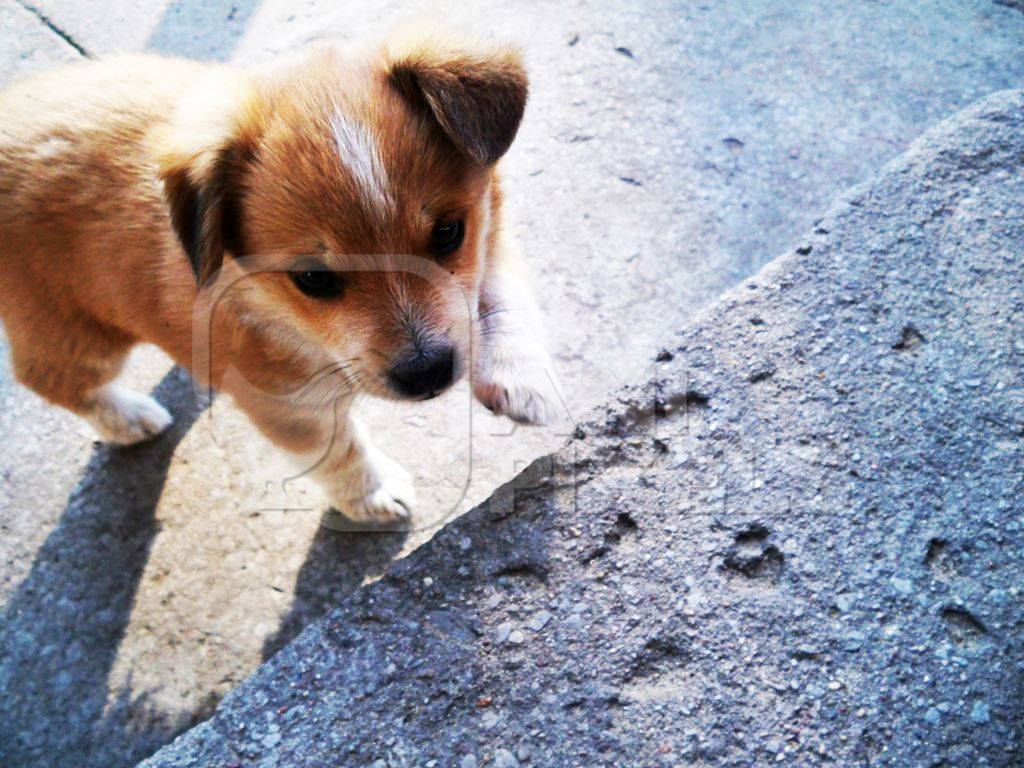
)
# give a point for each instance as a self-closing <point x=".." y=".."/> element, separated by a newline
<point x="294" y="235"/>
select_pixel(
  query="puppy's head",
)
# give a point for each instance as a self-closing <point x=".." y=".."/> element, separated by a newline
<point x="363" y="186"/>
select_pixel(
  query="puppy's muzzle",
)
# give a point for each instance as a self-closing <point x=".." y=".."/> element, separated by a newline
<point x="424" y="374"/>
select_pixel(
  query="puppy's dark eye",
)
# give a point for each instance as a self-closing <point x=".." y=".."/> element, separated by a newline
<point x="447" y="237"/>
<point x="314" y="279"/>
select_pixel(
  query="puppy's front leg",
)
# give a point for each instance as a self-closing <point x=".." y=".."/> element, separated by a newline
<point x="331" y="445"/>
<point x="360" y="480"/>
<point x="513" y="374"/>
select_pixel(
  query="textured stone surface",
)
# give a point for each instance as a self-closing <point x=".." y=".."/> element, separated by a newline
<point x="667" y="153"/>
<point x="799" y="541"/>
<point x="27" y="44"/>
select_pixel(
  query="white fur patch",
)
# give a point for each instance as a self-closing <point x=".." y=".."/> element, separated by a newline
<point x="513" y="374"/>
<point x="125" y="417"/>
<point x="360" y="481"/>
<point x="359" y="153"/>
<point x="514" y="377"/>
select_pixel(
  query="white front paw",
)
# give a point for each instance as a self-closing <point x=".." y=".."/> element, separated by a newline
<point x="379" y="490"/>
<point x="518" y="381"/>
<point x="125" y="417"/>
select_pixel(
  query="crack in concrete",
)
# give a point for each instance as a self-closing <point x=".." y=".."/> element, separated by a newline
<point x="52" y="26"/>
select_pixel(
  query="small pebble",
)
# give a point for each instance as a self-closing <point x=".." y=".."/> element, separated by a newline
<point x="538" y="621"/>
<point x="903" y="586"/>
<point x="853" y="642"/>
<point x="504" y="759"/>
<point x="271" y="740"/>
<point x="490" y="719"/>
<point x="979" y="712"/>
<point x="504" y="631"/>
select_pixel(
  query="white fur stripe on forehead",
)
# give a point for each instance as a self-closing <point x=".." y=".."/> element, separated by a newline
<point x="359" y="153"/>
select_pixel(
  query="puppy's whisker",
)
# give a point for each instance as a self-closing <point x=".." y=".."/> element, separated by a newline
<point x="328" y="399"/>
<point x="493" y="332"/>
<point x="327" y="371"/>
<point x="358" y="391"/>
<point x="334" y="369"/>
<point x="496" y="310"/>
<point x="331" y="396"/>
<point x="316" y="379"/>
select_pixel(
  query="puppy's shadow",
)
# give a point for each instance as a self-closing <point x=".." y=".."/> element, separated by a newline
<point x="61" y="629"/>
<point x="337" y="564"/>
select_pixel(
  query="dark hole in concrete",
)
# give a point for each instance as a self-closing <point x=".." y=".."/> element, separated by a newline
<point x="751" y="556"/>
<point x="733" y="144"/>
<point x="523" y="570"/>
<point x="755" y="533"/>
<point x="690" y="399"/>
<point x="910" y="338"/>
<point x="595" y="554"/>
<point x="963" y="625"/>
<point x="935" y="549"/>
<point x="658" y="654"/>
<point x="625" y="522"/>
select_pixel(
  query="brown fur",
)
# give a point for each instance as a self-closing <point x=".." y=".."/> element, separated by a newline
<point x="136" y="195"/>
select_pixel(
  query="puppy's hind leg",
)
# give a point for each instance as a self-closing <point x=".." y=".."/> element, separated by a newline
<point x="76" y="371"/>
<point x="124" y="417"/>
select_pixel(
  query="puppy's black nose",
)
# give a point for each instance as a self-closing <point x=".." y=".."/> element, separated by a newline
<point x="424" y="374"/>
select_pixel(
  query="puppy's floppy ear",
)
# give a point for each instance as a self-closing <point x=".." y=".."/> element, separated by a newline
<point x="205" y="205"/>
<point x="203" y="157"/>
<point x="476" y="95"/>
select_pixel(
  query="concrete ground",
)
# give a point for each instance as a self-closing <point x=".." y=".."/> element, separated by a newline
<point x="668" y="152"/>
